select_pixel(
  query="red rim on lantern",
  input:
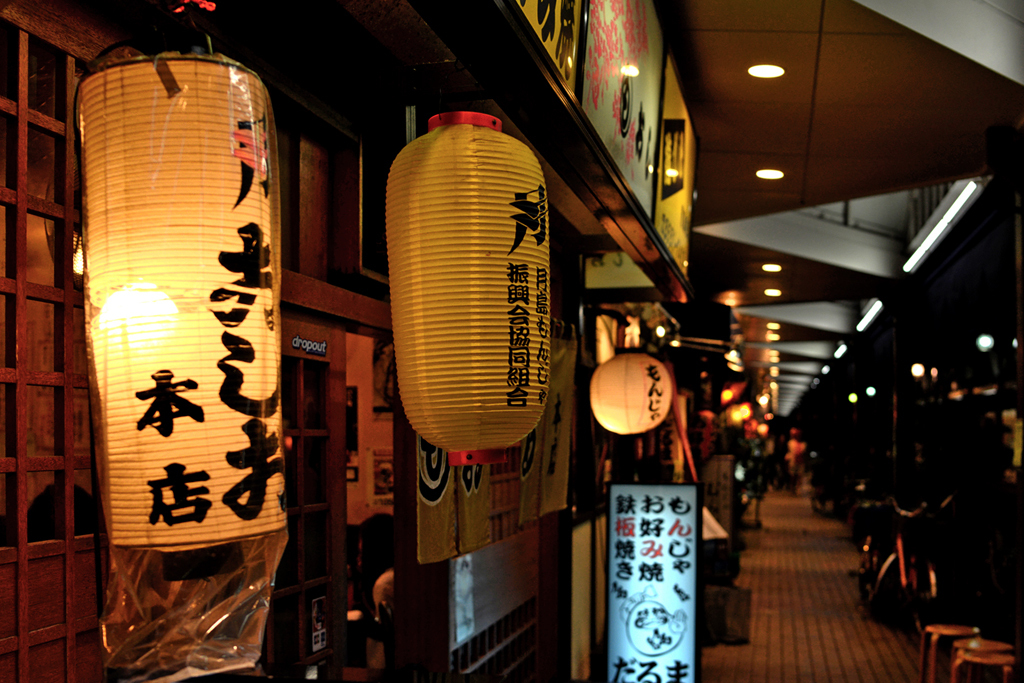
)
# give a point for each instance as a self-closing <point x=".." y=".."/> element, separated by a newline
<point x="473" y="118"/>
<point x="484" y="457"/>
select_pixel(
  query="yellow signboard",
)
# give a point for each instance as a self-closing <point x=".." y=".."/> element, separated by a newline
<point x="557" y="24"/>
<point x="676" y="168"/>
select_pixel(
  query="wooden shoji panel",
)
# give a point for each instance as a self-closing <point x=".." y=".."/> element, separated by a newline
<point x="48" y="606"/>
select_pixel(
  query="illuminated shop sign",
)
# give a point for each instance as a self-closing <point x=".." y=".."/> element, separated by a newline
<point x="653" y="597"/>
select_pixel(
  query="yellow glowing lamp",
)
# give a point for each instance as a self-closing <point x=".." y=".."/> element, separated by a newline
<point x="727" y="395"/>
<point x="631" y="393"/>
<point x="467" y="231"/>
<point x="182" y="299"/>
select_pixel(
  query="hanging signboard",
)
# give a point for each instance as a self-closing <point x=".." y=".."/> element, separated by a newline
<point x="622" y="87"/>
<point x="676" y="170"/>
<point x="435" y="504"/>
<point x="473" y="500"/>
<point x="555" y="441"/>
<point x="557" y="24"/>
<point x="653" y="596"/>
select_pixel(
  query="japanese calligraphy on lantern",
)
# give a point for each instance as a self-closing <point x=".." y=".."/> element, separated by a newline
<point x="557" y="24"/>
<point x="622" y="87"/>
<point x="653" y="569"/>
<point x="182" y="300"/>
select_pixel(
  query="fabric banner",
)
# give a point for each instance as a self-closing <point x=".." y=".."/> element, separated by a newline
<point x="474" y="504"/>
<point x="529" y="476"/>
<point x="435" y="504"/>
<point x="554" y="443"/>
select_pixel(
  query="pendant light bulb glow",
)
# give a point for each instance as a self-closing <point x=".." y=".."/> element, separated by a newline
<point x="770" y="174"/>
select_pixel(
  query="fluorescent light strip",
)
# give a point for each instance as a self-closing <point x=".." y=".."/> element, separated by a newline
<point x="869" y="317"/>
<point x="940" y="227"/>
<point x="840" y="351"/>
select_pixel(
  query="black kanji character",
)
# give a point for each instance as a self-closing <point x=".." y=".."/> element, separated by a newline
<point x="652" y="504"/>
<point x="624" y="571"/>
<point x="678" y="672"/>
<point x="650" y="527"/>
<point x="680" y="566"/>
<point x="167" y="405"/>
<point x="620" y="592"/>
<point x="675" y="546"/>
<point x="625" y="550"/>
<point x="679" y="506"/>
<point x="534" y="217"/>
<point x="622" y="666"/>
<point x="648" y="667"/>
<point x="254" y="154"/>
<point x="683" y="595"/>
<point x="257" y="456"/>
<point x="231" y="390"/>
<point x="625" y="505"/>
<point x="518" y="273"/>
<point x="184" y="496"/>
<point x="651" y="572"/>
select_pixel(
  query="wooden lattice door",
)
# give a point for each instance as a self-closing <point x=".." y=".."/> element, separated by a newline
<point x="48" y="607"/>
<point x="308" y="608"/>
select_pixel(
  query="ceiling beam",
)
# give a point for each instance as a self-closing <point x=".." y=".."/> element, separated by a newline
<point x="808" y="349"/>
<point x="990" y="32"/>
<point x="832" y="316"/>
<point x="799" y="234"/>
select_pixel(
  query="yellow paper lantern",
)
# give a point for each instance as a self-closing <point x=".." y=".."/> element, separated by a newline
<point x="631" y="393"/>
<point x="182" y="299"/>
<point x="470" y="283"/>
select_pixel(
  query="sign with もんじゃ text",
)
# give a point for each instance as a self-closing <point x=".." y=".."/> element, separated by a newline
<point x="653" y="550"/>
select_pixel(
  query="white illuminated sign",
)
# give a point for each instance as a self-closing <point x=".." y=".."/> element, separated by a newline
<point x="653" y="563"/>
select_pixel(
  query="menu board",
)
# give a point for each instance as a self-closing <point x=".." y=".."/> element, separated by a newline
<point x="653" y="595"/>
<point x="622" y="87"/>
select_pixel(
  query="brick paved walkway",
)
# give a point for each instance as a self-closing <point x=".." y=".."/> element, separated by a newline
<point x="807" y="623"/>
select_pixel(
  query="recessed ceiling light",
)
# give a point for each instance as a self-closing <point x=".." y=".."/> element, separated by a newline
<point x="773" y="292"/>
<point x="630" y="70"/>
<point x="771" y="268"/>
<point x="769" y="174"/>
<point x="671" y="173"/>
<point x="774" y="326"/>
<point x="771" y="336"/>
<point x="766" y="71"/>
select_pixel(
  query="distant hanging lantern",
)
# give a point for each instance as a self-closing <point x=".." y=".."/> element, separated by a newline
<point x="631" y="393"/>
<point x="470" y="285"/>
<point x="182" y="299"/>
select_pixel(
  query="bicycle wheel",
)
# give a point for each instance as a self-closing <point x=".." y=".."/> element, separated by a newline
<point x="888" y="600"/>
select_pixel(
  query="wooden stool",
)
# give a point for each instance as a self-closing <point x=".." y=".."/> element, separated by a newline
<point x="975" y="660"/>
<point x="977" y="644"/>
<point x="930" y="637"/>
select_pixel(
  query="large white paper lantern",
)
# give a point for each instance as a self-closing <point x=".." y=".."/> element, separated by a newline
<point x="182" y="299"/>
<point x="470" y="283"/>
<point x="631" y="393"/>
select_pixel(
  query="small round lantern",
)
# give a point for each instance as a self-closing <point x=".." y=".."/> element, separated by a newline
<point x="631" y="393"/>
<point x="470" y="285"/>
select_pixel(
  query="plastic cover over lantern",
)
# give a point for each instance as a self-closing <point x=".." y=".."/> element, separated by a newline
<point x="182" y="308"/>
<point x="631" y="393"/>
<point x="470" y="283"/>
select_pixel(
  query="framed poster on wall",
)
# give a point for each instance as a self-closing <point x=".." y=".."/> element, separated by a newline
<point x="654" y="593"/>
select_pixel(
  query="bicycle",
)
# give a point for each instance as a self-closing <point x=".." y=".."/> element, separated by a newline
<point x="907" y="586"/>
